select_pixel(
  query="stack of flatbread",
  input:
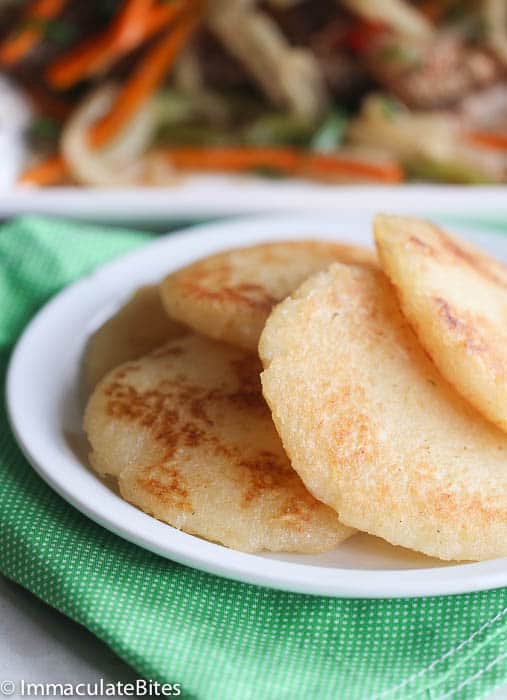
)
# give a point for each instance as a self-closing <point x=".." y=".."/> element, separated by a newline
<point x="282" y="396"/>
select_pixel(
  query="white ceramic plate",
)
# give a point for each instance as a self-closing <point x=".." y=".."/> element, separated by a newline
<point x="207" y="196"/>
<point x="45" y="410"/>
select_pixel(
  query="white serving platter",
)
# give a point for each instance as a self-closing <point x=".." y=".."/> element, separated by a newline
<point x="208" y="196"/>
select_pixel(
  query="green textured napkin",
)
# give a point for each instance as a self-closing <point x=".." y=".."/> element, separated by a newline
<point x="218" y="638"/>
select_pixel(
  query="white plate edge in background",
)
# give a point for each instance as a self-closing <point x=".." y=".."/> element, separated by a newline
<point x="217" y="195"/>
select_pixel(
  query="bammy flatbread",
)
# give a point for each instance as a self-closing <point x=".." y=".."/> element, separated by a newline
<point x="138" y="327"/>
<point x="228" y="296"/>
<point x="372" y="427"/>
<point x="190" y="438"/>
<point x="455" y="298"/>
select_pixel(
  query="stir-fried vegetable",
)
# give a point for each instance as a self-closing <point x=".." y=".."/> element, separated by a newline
<point x="144" y="80"/>
<point x="27" y="36"/>
<point x="135" y="24"/>
<point x="121" y="162"/>
<point x="430" y="145"/>
<point x="355" y="91"/>
<point x="51" y="171"/>
<point x="495" y="17"/>
<point x="489" y="139"/>
<point x="455" y="171"/>
<point x="330" y="133"/>
<point x="288" y="75"/>
<point x="287" y="161"/>
<point x="282" y="129"/>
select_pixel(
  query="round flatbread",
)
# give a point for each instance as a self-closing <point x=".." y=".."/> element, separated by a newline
<point x="229" y="296"/>
<point x="455" y="298"/>
<point x="372" y="427"/>
<point x="190" y="438"/>
<point x="141" y="325"/>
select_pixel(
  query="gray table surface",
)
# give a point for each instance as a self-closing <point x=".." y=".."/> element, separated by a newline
<point x="38" y="644"/>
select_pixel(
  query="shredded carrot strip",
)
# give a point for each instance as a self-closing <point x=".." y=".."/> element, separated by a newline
<point x="82" y="61"/>
<point x="286" y="160"/>
<point x="489" y="139"/>
<point x="99" y="53"/>
<point x="234" y="158"/>
<point x="324" y="166"/>
<point x="48" y="172"/>
<point x="129" y="26"/>
<point x="144" y="80"/>
<point x="22" y="41"/>
<point x="243" y="159"/>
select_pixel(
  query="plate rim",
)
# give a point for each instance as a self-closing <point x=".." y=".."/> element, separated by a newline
<point x="221" y="195"/>
<point x="193" y="551"/>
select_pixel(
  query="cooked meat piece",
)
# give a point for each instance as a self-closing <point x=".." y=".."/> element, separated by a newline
<point x="219" y="68"/>
<point x="486" y="109"/>
<point x="323" y="27"/>
<point x="399" y="16"/>
<point x="345" y="76"/>
<point x="432" y="75"/>
<point x="302" y="20"/>
<point x="303" y="23"/>
<point x="9" y="12"/>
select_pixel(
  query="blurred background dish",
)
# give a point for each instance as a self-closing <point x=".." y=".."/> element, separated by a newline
<point x="128" y="93"/>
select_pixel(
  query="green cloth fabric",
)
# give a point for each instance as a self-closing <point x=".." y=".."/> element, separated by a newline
<point x="218" y="638"/>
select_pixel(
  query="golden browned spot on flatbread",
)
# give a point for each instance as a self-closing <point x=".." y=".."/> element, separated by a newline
<point x="190" y="438"/>
<point x="228" y="296"/>
<point x="455" y="298"/>
<point x="373" y="428"/>
<point x="166" y="486"/>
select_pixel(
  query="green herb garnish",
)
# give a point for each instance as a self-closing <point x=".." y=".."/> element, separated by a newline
<point x="391" y="108"/>
<point x="400" y="54"/>
<point x="330" y="134"/>
<point x="266" y="171"/>
<point x="44" y="129"/>
<point x="273" y="129"/>
<point x="59" y="31"/>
